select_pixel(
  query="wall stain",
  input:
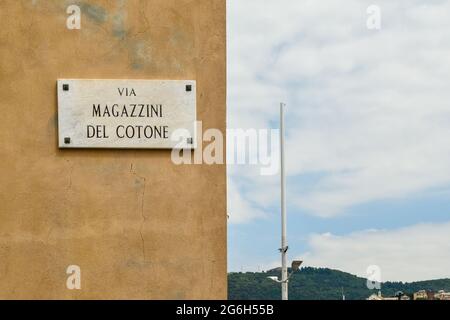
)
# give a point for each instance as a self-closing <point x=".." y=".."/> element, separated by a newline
<point x="118" y="26"/>
<point x="94" y="12"/>
<point x="139" y="51"/>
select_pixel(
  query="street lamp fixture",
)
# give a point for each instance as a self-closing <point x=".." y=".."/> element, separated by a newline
<point x="294" y="268"/>
<point x="296" y="265"/>
<point x="274" y="279"/>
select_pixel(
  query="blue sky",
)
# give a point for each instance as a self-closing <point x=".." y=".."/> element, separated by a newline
<point x="368" y="134"/>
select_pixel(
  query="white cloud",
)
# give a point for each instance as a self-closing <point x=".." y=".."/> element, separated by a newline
<point x="241" y="210"/>
<point x="367" y="110"/>
<point x="408" y="254"/>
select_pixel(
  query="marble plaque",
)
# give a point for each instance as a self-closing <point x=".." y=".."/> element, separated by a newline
<point x="128" y="114"/>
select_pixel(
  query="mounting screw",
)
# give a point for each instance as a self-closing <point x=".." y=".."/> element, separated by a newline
<point x="190" y="141"/>
<point x="188" y="88"/>
<point x="67" y="140"/>
<point x="65" y="87"/>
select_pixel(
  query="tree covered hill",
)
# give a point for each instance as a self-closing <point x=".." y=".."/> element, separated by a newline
<point x="318" y="284"/>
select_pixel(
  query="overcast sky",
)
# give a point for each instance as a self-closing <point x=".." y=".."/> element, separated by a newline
<point x="368" y="134"/>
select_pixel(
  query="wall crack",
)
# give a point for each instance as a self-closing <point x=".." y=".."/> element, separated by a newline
<point x="142" y="207"/>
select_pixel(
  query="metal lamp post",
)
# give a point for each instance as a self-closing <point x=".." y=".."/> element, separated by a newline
<point x="284" y="246"/>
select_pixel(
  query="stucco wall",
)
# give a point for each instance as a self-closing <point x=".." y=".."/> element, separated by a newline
<point x="137" y="225"/>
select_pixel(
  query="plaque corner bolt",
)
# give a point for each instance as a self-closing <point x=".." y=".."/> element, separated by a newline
<point x="66" y="140"/>
<point x="188" y="88"/>
<point x="65" y="87"/>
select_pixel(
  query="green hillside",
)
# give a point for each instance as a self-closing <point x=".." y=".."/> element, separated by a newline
<point x="318" y="284"/>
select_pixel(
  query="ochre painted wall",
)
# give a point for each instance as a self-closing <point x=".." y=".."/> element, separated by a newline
<point x="137" y="225"/>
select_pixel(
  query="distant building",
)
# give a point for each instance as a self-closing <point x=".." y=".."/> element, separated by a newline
<point x="399" y="296"/>
<point x="375" y="296"/>
<point x="390" y="298"/>
<point x="442" y="295"/>
<point x="421" y="295"/>
<point x="426" y="295"/>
